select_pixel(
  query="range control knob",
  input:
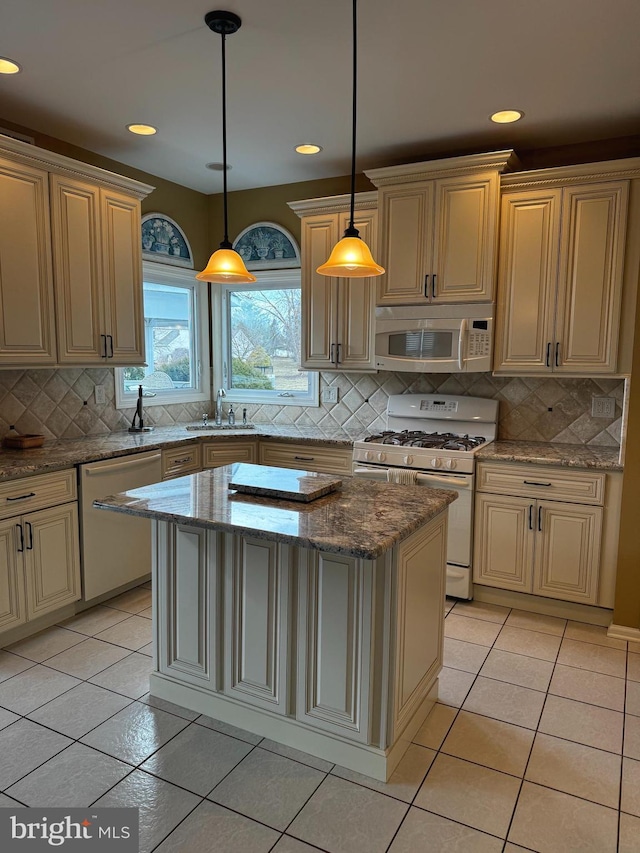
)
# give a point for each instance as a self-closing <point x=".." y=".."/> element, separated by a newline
<point x="382" y="457"/>
<point x="368" y="455"/>
<point x="450" y="464"/>
<point x="435" y="462"/>
<point x="408" y="460"/>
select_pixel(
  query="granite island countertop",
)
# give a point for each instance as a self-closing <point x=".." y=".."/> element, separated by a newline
<point x="548" y="453"/>
<point x="363" y="519"/>
<point x="62" y="453"/>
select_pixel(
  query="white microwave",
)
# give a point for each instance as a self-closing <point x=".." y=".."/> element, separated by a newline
<point x="435" y="338"/>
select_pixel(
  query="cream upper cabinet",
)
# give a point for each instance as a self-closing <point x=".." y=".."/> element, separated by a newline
<point x="438" y="229"/>
<point x="560" y="279"/>
<point x="438" y="241"/>
<point x="98" y="274"/>
<point x="27" y="332"/>
<point x="338" y="314"/>
<point x="70" y="250"/>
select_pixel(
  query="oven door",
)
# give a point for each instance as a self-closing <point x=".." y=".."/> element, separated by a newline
<point x="460" y="511"/>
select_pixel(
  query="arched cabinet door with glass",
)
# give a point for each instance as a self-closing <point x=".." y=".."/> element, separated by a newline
<point x="176" y="340"/>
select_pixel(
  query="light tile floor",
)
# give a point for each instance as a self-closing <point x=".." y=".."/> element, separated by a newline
<point x="534" y="745"/>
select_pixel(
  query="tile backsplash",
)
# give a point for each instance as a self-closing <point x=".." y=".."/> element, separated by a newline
<point x="60" y="404"/>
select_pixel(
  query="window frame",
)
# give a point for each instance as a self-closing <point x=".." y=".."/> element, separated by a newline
<point x="154" y="273"/>
<point x="266" y="280"/>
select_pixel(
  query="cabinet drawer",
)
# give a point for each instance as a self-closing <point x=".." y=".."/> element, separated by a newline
<point x="215" y="454"/>
<point x="180" y="460"/>
<point x="538" y="481"/>
<point x="43" y="490"/>
<point x="311" y="457"/>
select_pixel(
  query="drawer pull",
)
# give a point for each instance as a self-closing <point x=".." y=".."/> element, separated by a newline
<point x="305" y="458"/>
<point x="182" y="461"/>
<point x="534" y="483"/>
<point x="23" y="497"/>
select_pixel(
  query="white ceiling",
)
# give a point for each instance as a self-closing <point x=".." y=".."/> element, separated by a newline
<point x="431" y="71"/>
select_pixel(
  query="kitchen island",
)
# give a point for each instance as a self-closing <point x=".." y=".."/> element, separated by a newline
<point x="319" y="625"/>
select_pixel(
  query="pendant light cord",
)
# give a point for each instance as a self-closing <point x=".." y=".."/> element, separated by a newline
<point x="225" y="243"/>
<point x="352" y="231"/>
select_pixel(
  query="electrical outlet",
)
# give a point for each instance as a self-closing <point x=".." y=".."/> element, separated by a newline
<point x="329" y="395"/>
<point x="603" y="407"/>
<point x="100" y="395"/>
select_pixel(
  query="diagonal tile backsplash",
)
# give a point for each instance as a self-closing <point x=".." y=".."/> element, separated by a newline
<point x="60" y="404"/>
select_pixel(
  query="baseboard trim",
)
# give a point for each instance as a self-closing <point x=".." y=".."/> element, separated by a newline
<point x="545" y="606"/>
<point x="622" y="632"/>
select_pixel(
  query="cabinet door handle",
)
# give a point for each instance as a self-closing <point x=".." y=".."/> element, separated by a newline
<point x="305" y="458"/>
<point x="104" y="346"/>
<point x="558" y="354"/>
<point x="23" y="497"/>
<point x="548" y="358"/>
<point x="539" y="518"/>
<point x="20" y="531"/>
<point x="30" y="532"/>
<point x="338" y="349"/>
<point x="426" y="286"/>
<point x="530" y="516"/>
<point x="331" y="356"/>
<point x="433" y="285"/>
<point x="534" y="483"/>
<point x="110" y="345"/>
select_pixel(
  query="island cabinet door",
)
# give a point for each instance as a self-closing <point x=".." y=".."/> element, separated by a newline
<point x="257" y="580"/>
<point x="187" y="590"/>
<point x="335" y="595"/>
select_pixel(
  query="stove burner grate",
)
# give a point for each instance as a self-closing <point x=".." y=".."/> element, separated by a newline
<point x="434" y="440"/>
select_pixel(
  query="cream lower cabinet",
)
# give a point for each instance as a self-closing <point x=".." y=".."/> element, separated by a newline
<point x="27" y="325"/>
<point x="217" y="453"/>
<point x="306" y="457"/>
<point x="560" y="279"/>
<point x="338" y="314"/>
<point x="98" y="274"/>
<point x="39" y="564"/>
<point x="545" y="547"/>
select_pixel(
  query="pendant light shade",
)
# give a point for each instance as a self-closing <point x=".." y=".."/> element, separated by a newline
<point x="225" y="266"/>
<point x="351" y="257"/>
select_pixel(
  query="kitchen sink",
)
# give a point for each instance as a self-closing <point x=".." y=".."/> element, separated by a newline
<point x="217" y="427"/>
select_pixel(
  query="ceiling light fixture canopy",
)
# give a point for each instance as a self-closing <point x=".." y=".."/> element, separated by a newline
<point x="225" y="266"/>
<point x="351" y="257"/>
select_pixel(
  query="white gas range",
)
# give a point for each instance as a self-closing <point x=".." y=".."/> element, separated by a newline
<point x="431" y="440"/>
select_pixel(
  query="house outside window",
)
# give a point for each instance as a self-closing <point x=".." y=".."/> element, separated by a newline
<point x="261" y="342"/>
<point x="176" y="315"/>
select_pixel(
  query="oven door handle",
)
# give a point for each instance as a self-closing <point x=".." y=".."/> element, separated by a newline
<point x="380" y="474"/>
<point x="461" y="344"/>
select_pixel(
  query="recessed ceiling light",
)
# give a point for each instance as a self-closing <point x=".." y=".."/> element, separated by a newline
<point x="142" y="129"/>
<point x="308" y="148"/>
<point x="506" y="116"/>
<point x="8" y="66"/>
<point x="218" y="167"/>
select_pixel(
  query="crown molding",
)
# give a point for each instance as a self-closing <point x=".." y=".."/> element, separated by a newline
<point x="563" y="175"/>
<point x="333" y="204"/>
<point x="447" y="167"/>
<point x="31" y="155"/>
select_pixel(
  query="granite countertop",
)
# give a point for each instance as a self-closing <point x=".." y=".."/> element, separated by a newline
<point x="363" y="519"/>
<point x="547" y="453"/>
<point x="65" y="453"/>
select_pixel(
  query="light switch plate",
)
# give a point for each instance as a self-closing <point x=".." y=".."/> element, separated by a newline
<point x="329" y="395"/>
<point x="603" y="407"/>
<point x="100" y="395"/>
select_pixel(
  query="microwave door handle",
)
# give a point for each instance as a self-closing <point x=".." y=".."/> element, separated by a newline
<point x="461" y="343"/>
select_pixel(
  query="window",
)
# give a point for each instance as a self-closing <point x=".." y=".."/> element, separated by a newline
<point x="176" y="315"/>
<point x="261" y="327"/>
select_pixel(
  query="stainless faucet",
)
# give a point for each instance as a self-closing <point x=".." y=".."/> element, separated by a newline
<point x="220" y="395"/>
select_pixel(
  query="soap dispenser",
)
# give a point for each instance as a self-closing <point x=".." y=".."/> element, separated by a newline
<point x="232" y="416"/>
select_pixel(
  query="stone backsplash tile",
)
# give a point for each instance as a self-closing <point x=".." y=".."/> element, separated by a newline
<point x="60" y="404"/>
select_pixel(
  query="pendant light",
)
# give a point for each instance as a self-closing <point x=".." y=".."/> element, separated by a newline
<point x="225" y="266"/>
<point x="351" y="257"/>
